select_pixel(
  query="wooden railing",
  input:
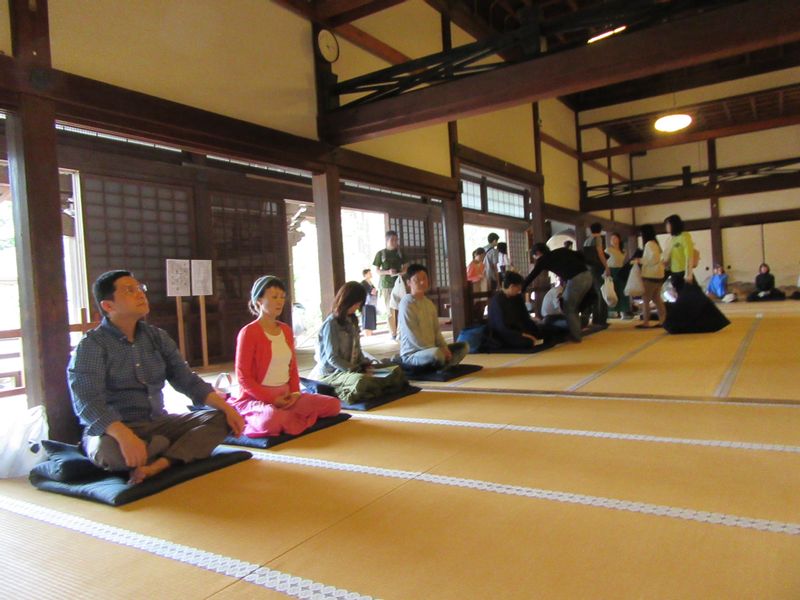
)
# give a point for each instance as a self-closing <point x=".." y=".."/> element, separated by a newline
<point x="17" y="374"/>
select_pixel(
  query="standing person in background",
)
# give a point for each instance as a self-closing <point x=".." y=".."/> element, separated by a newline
<point x="594" y="251"/>
<point x="477" y="281"/>
<point x="765" y="286"/>
<point x="369" y="312"/>
<point x="490" y="262"/>
<point x="399" y="290"/>
<point x="616" y="264"/>
<point x="652" y="276"/>
<point x="476" y="270"/>
<point x="679" y="254"/>
<point x="390" y="263"/>
<point x="503" y="263"/>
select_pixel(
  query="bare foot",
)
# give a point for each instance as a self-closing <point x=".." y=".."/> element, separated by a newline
<point x="139" y="474"/>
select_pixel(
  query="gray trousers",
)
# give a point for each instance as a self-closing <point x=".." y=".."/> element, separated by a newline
<point x="434" y="357"/>
<point x="574" y="291"/>
<point x="180" y="438"/>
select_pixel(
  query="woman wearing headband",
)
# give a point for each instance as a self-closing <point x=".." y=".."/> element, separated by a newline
<point x="266" y="365"/>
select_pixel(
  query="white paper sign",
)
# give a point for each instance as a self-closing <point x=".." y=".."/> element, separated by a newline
<point x="178" y="282"/>
<point x="202" y="283"/>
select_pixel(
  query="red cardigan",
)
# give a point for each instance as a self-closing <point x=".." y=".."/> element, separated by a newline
<point x="253" y="355"/>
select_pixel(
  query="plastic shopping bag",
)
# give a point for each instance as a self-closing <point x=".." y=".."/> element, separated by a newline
<point x="609" y="294"/>
<point x="635" y="285"/>
<point x="21" y="434"/>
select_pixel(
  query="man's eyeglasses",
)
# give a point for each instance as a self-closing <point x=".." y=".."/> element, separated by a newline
<point x="132" y="290"/>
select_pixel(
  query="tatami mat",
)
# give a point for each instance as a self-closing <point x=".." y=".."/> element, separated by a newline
<point x="561" y="367"/>
<point x="38" y="560"/>
<point x="717" y="420"/>
<point x="615" y="458"/>
<point x="770" y="367"/>
<point x="667" y="367"/>
<point x="456" y="543"/>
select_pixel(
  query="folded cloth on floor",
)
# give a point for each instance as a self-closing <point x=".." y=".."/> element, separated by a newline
<point x="381" y="400"/>
<point x="312" y="386"/>
<point x="429" y="374"/>
<point x="68" y="472"/>
<point x="273" y="440"/>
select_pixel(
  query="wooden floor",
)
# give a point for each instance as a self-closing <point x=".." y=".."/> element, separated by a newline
<point x="633" y="465"/>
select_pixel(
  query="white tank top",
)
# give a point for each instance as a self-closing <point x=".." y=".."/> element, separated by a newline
<point x="278" y="371"/>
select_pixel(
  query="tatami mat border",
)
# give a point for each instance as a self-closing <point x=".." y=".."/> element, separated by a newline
<point x="657" y="510"/>
<point x="621" y="360"/>
<point x="666" y="398"/>
<point x="285" y="583"/>
<point x="729" y="378"/>
<point x="610" y="435"/>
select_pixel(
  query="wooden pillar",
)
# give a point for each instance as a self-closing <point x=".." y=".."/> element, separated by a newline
<point x="537" y="192"/>
<point x="583" y="200"/>
<point x="453" y="221"/>
<point x="33" y="173"/>
<point x="717" y="256"/>
<point x="610" y="177"/>
<point x="541" y="232"/>
<point x="328" y="210"/>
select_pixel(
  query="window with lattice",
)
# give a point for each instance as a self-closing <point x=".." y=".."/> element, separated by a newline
<point x="411" y="236"/>
<point x="135" y="226"/>
<point x="504" y="202"/>
<point x="470" y="194"/>
<point x="247" y="240"/>
<point x="441" y="268"/>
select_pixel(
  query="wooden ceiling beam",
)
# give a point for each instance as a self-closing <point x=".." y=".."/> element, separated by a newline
<point x="735" y="187"/>
<point x="371" y="44"/>
<point x="721" y="33"/>
<point x="352" y="34"/>
<point x="684" y="79"/>
<point x="366" y="9"/>
<point x="689" y="138"/>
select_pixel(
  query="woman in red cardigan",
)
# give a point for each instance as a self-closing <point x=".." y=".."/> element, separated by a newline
<point x="266" y="365"/>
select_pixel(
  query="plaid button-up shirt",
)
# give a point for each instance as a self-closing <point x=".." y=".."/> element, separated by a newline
<point x="113" y="379"/>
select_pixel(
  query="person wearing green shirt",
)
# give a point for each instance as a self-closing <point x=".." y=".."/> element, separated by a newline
<point x="679" y="254"/>
<point x="390" y="263"/>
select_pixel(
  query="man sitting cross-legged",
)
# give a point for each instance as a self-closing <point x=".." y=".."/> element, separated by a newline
<point x="116" y="377"/>
<point x="421" y="341"/>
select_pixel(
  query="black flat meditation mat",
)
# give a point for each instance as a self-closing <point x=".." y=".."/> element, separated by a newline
<point x="70" y="473"/>
<point x="503" y="350"/>
<point x="422" y="374"/>
<point x="375" y="402"/>
<point x="273" y="440"/>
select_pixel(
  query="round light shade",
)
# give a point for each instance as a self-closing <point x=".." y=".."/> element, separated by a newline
<point x="670" y="123"/>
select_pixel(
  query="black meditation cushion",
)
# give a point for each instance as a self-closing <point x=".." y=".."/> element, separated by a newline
<point x="429" y="374"/>
<point x="70" y="473"/>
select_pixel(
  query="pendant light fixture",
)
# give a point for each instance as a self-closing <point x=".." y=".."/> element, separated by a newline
<point x="675" y="121"/>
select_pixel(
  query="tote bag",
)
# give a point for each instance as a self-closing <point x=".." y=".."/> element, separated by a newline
<point x="635" y="285"/>
<point x="609" y="295"/>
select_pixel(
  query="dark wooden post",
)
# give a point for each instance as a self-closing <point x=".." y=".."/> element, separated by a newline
<point x="328" y="210"/>
<point x="717" y="256"/>
<point x="33" y="173"/>
<point x="538" y="225"/>
<point x="453" y="221"/>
